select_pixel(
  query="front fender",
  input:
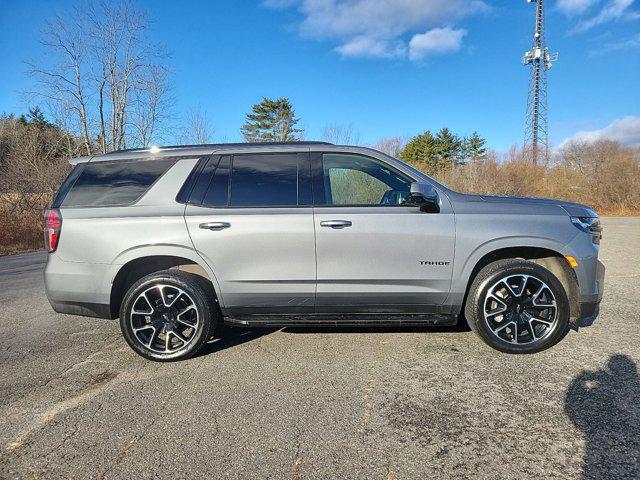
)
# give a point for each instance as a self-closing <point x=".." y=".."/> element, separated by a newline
<point x="465" y="264"/>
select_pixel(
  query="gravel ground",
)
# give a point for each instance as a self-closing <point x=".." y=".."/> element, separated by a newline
<point x="76" y="402"/>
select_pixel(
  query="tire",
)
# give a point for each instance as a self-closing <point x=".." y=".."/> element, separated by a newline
<point x="530" y="322"/>
<point x="169" y="315"/>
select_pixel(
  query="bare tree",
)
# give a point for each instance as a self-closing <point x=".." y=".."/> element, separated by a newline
<point x="198" y="128"/>
<point x="391" y="146"/>
<point x="102" y="67"/>
<point x="341" y="134"/>
<point x="152" y="106"/>
<point x="64" y="82"/>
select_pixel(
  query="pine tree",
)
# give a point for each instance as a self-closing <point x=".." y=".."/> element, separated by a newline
<point x="475" y="148"/>
<point x="36" y="118"/>
<point x="421" y="152"/>
<point x="448" y="149"/>
<point x="271" y="121"/>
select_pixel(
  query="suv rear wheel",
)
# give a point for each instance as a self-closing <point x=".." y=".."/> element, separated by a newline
<point x="517" y="306"/>
<point x="168" y="315"/>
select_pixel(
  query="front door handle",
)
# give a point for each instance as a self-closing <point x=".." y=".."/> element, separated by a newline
<point x="215" y="225"/>
<point x="336" y="223"/>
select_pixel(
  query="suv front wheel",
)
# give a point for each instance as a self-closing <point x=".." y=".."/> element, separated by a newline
<point x="168" y="315"/>
<point x="517" y="306"/>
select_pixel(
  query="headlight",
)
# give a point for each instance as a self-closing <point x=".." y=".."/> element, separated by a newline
<point x="590" y="225"/>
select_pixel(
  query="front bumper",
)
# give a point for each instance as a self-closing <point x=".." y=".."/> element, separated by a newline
<point x="589" y="302"/>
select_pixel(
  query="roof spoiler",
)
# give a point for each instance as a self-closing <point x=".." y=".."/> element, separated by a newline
<point x="77" y="160"/>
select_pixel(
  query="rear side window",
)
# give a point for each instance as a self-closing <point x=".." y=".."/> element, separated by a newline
<point x="66" y="185"/>
<point x="264" y="180"/>
<point x="104" y="184"/>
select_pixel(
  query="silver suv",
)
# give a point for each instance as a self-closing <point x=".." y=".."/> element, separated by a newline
<point x="176" y="240"/>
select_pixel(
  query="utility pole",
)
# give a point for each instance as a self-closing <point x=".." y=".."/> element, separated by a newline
<point x="536" y="139"/>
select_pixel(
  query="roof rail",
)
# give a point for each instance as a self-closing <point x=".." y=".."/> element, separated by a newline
<point x="218" y="145"/>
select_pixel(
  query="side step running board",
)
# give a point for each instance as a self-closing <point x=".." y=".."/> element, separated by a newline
<point x="330" y="320"/>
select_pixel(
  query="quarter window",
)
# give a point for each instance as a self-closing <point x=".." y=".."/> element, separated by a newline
<point x="102" y="184"/>
<point x="362" y="181"/>
<point x="218" y="192"/>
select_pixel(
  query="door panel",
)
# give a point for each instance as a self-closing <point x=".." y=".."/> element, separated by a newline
<point x="389" y="259"/>
<point x="263" y="261"/>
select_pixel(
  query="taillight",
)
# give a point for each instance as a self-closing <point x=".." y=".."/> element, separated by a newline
<point x="52" y="228"/>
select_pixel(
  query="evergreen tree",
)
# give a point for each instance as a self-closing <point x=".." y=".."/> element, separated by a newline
<point x="35" y="117"/>
<point x="475" y="148"/>
<point x="448" y="148"/>
<point x="271" y="121"/>
<point x="421" y="152"/>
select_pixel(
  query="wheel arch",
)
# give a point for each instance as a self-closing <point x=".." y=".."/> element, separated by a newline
<point x="548" y="258"/>
<point x="141" y="262"/>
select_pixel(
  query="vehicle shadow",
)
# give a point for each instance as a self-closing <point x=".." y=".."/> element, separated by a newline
<point x="605" y="406"/>
<point x="231" y="336"/>
<point x="375" y="329"/>
<point x="228" y="337"/>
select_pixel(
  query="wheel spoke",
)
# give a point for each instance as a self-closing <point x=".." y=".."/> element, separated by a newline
<point x="502" y="307"/>
<point x="144" y="327"/>
<point x="146" y="299"/>
<point x="180" y="337"/>
<point x="503" y="326"/>
<point x="521" y="287"/>
<point x="541" y="320"/>
<point x="188" y="324"/>
<point x="153" y="337"/>
<point x="531" y="329"/>
<point x="182" y="312"/>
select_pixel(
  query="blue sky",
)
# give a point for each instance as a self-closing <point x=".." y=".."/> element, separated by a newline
<point x="385" y="67"/>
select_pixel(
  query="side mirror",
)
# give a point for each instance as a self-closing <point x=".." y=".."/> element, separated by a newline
<point x="425" y="196"/>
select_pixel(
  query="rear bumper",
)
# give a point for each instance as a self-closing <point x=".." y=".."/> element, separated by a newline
<point x="98" y="310"/>
<point x="77" y="288"/>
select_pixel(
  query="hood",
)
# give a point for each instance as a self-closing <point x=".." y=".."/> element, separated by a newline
<point x="513" y="202"/>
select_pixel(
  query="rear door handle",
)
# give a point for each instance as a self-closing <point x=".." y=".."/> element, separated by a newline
<point x="336" y="223"/>
<point x="215" y="225"/>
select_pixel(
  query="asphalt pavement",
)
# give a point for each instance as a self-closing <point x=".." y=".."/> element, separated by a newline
<point x="394" y="403"/>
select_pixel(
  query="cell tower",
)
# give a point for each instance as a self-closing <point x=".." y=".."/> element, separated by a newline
<point x="536" y="140"/>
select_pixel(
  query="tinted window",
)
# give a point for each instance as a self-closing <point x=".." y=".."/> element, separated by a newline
<point x="190" y="182"/>
<point x="202" y="184"/>
<point x="66" y="185"/>
<point x="263" y="180"/>
<point x="359" y="180"/>
<point x="218" y="192"/>
<point x="114" y="183"/>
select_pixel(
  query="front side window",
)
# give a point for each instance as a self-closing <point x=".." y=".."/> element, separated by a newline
<point x="264" y="180"/>
<point x="102" y="184"/>
<point x="362" y="181"/>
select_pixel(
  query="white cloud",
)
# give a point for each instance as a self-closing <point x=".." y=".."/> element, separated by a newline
<point x="575" y="7"/>
<point x="376" y="28"/>
<point x="364" y="46"/>
<point x="625" y="130"/>
<point x="435" y="41"/>
<point x="612" y="10"/>
<point x="629" y="43"/>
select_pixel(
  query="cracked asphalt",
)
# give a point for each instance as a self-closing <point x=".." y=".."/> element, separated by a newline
<point x="76" y="402"/>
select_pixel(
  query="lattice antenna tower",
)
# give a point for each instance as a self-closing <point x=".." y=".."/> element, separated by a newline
<point x="539" y="61"/>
